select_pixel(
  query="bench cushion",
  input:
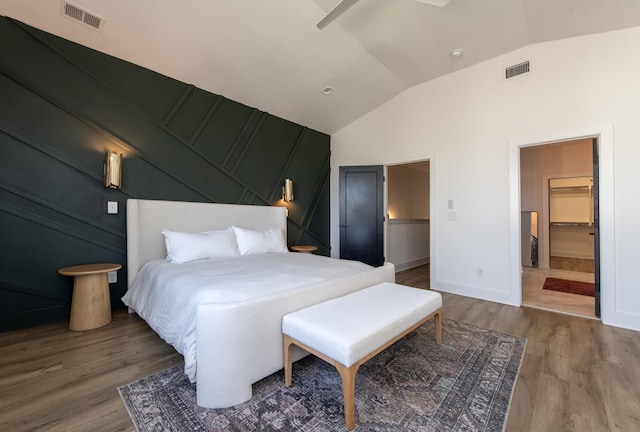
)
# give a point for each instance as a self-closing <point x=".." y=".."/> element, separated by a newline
<point x="348" y="328"/>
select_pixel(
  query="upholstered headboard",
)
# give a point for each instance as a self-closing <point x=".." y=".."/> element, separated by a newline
<point x="147" y="218"/>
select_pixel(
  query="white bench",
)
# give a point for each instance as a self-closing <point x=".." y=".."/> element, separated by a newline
<point x="347" y="331"/>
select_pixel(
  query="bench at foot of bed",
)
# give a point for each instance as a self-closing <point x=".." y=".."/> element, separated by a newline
<point x="347" y="331"/>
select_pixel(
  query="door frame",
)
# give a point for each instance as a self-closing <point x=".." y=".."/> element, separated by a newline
<point x="604" y="133"/>
<point x="386" y="162"/>
<point x="433" y="217"/>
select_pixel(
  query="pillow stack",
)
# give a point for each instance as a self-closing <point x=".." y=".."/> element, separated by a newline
<point x="184" y="247"/>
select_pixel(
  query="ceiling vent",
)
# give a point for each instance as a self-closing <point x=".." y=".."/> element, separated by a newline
<point x="516" y="70"/>
<point x="81" y="15"/>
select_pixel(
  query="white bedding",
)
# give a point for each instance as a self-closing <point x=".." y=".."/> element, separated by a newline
<point x="166" y="295"/>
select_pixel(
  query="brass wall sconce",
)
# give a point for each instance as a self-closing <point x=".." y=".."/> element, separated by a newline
<point x="287" y="190"/>
<point x="113" y="170"/>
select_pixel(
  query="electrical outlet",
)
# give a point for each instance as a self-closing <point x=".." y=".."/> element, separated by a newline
<point x="479" y="271"/>
<point x="451" y="215"/>
<point x="112" y="277"/>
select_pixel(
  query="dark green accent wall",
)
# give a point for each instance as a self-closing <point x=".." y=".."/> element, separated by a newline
<point x="62" y="106"/>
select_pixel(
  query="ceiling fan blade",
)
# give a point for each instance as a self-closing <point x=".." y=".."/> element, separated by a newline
<point x="440" y="3"/>
<point x="341" y="7"/>
<point x="338" y="10"/>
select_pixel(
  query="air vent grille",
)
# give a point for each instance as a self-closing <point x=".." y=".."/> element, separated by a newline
<point x="516" y="70"/>
<point x="81" y="15"/>
<point x="73" y="12"/>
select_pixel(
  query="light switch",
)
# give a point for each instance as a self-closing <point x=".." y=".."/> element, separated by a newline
<point x="112" y="207"/>
<point x="112" y="277"/>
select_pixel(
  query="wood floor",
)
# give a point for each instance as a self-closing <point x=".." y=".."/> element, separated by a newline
<point x="576" y="375"/>
<point x="418" y="277"/>
<point x="534" y="296"/>
<point x="532" y="293"/>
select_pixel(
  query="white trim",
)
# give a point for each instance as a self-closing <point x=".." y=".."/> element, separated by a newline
<point x="610" y="313"/>
<point x="411" y="264"/>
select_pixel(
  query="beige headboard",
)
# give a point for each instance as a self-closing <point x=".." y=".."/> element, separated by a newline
<point x="147" y="218"/>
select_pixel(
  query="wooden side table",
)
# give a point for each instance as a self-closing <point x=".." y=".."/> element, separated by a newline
<point x="304" y="249"/>
<point x="90" y="304"/>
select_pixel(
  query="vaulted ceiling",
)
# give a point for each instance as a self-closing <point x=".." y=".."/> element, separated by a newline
<point x="269" y="54"/>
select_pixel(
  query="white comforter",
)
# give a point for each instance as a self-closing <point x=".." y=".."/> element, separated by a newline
<point x="167" y="295"/>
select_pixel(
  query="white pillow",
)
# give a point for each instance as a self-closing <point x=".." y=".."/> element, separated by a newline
<point x="185" y="246"/>
<point x="260" y="241"/>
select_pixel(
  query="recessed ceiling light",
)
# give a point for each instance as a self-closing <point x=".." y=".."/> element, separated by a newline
<point x="456" y="53"/>
<point x="327" y="90"/>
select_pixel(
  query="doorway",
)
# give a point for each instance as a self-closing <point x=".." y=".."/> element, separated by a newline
<point x="550" y="184"/>
<point x="408" y="220"/>
<point x="361" y="214"/>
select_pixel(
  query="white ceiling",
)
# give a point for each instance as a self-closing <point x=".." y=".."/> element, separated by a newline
<point x="268" y="54"/>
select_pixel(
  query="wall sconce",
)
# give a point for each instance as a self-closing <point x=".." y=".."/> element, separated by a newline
<point x="287" y="190"/>
<point x="113" y="170"/>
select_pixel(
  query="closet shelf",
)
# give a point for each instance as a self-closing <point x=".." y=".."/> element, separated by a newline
<point x="572" y="224"/>
<point x="570" y="188"/>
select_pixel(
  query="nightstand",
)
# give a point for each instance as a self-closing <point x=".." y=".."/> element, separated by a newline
<point x="90" y="304"/>
<point x="304" y="249"/>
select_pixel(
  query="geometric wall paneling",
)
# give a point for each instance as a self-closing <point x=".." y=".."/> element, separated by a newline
<point x="311" y="206"/>
<point x="223" y="131"/>
<point x="260" y="165"/>
<point x="21" y="308"/>
<point x="142" y="178"/>
<point x="40" y="242"/>
<point x="308" y="159"/>
<point x="181" y="120"/>
<point x="316" y="217"/>
<point x="57" y="187"/>
<point x="65" y="105"/>
<point x="122" y="78"/>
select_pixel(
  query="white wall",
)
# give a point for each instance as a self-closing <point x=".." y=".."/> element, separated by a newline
<point x="407" y="240"/>
<point x="471" y="125"/>
<point x="408" y="191"/>
<point x="408" y="243"/>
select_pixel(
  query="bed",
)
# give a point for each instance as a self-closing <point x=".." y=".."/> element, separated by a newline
<point x="238" y="339"/>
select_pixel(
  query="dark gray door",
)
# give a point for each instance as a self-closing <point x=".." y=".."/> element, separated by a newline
<point x="596" y="223"/>
<point x="362" y="214"/>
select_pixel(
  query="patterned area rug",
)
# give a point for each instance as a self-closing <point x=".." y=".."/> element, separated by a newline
<point x="465" y="384"/>
<point x="569" y="286"/>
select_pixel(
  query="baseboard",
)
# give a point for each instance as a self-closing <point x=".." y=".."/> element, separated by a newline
<point x="411" y="264"/>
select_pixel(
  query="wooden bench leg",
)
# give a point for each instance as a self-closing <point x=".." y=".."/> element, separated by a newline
<point x="288" y="360"/>
<point x="348" y="375"/>
<point x="437" y="318"/>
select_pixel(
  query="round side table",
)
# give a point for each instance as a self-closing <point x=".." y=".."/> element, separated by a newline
<point x="90" y="304"/>
<point x="304" y="249"/>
